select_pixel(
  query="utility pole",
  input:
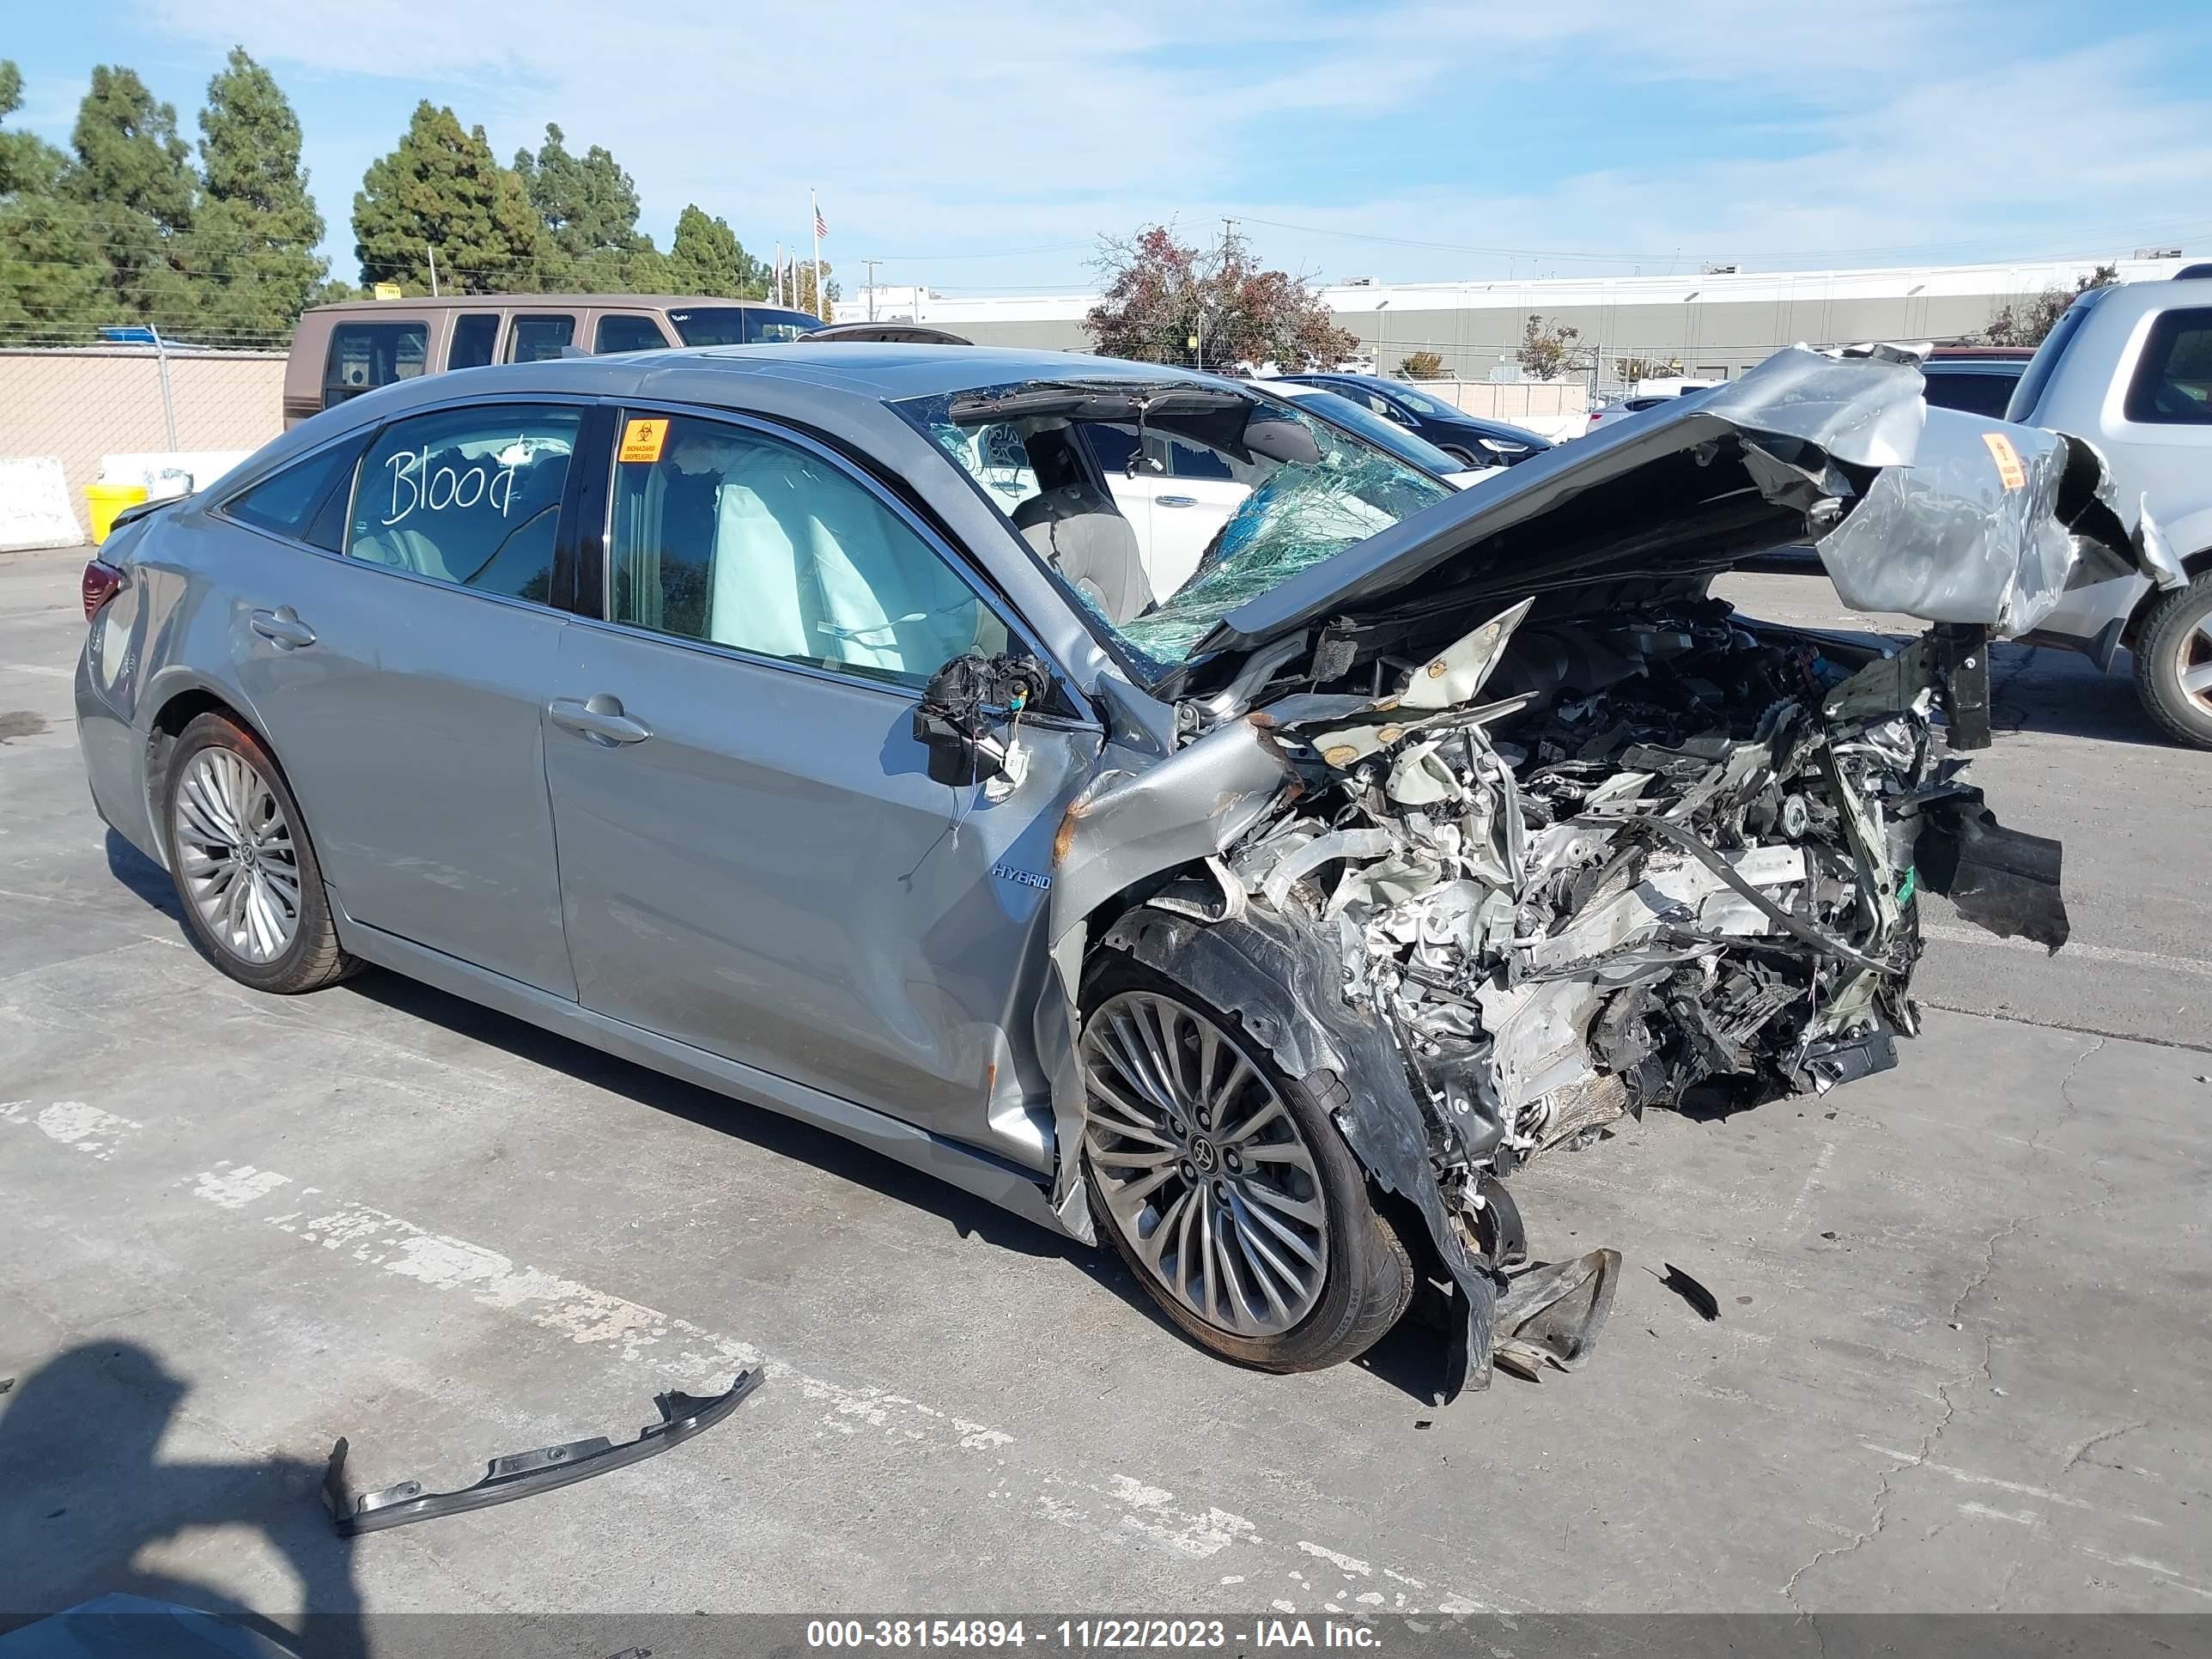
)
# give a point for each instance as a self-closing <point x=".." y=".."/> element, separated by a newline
<point x="872" y="265"/>
<point x="432" y="248"/>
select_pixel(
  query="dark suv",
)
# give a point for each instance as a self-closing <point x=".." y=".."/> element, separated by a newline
<point x="1468" y="441"/>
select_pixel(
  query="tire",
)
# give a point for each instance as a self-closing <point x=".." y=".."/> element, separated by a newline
<point x="1366" y="1278"/>
<point x="2173" y="644"/>
<point x="1466" y="461"/>
<point x="245" y="870"/>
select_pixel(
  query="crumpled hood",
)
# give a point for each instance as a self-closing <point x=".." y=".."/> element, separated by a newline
<point x="1930" y="512"/>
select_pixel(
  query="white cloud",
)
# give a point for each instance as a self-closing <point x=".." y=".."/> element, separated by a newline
<point x="1922" y="126"/>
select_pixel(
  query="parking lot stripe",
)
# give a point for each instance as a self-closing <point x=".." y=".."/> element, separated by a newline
<point x="2106" y="953"/>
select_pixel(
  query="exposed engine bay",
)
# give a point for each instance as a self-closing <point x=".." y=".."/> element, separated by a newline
<point x="1616" y="847"/>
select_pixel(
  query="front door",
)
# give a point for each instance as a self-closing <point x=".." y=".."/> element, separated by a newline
<point x="401" y="684"/>
<point x="753" y="857"/>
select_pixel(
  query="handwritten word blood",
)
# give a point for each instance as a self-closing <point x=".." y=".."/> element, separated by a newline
<point x="414" y="486"/>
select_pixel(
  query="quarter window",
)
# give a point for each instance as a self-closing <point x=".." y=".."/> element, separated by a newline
<point x="306" y="501"/>
<point x="366" y="355"/>
<point x="727" y="535"/>
<point x="474" y="338"/>
<point x="533" y="340"/>
<point x="470" y="496"/>
<point x="2172" y="382"/>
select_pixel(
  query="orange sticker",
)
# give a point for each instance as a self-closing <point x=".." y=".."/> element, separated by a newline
<point x="642" y="440"/>
<point x="2010" y="472"/>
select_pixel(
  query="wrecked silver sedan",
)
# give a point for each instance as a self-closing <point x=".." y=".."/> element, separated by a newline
<point x="823" y="725"/>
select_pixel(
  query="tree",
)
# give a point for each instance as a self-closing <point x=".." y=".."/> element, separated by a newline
<point x="2026" y="323"/>
<point x="441" y="187"/>
<point x="588" y="203"/>
<point x="706" y="257"/>
<point x="1422" y="366"/>
<point x="1161" y="295"/>
<point x="253" y="247"/>
<point x="133" y="176"/>
<point x="1546" y="353"/>
<point x="52" y="270"/>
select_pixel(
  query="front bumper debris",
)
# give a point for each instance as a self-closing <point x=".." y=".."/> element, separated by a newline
<point x="525" y="1474"/>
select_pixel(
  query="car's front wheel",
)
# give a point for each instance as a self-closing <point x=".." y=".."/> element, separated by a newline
<point x="1223" y="1183"/>
<point x="2173" y="663"/>
<point x="243" y="868"/>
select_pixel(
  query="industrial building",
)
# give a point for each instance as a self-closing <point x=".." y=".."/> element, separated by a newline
<point x="1712" y="324"/>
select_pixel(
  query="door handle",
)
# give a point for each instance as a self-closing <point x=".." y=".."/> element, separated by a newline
<point x="283" y="627"/>
<point x="600" y="720"/>
<point x="1176" y="501"/>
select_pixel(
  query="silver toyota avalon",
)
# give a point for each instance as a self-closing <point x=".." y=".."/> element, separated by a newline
<point x="821" y="725"/>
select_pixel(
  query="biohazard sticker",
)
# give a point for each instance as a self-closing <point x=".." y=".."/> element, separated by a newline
<point x="642" y="440"/>
<point x="2010" y="473"/>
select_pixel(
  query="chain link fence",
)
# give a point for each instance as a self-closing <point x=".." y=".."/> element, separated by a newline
<point x="83" y="405"/>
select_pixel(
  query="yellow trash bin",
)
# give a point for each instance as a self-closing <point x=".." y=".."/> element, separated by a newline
<point x="105" y="501"/>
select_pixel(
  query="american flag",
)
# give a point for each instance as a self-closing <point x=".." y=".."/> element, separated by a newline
<point x="820" y="228"/>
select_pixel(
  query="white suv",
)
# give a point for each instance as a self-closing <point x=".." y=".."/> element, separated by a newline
<point x="2129" y="369"/>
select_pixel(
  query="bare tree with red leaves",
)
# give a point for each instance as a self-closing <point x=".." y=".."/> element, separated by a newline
<point x="1167" y="303"/>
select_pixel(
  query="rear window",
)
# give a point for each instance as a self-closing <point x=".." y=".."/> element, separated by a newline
<point x="718" y="325"/>
<point x="1977" y="392"/>
<point x="366" y="355"/>
<point x="2172" y="382"/>
<point x="2044" y="363"/>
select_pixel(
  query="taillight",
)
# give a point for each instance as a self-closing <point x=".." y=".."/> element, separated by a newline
<point x="102" y="582"/>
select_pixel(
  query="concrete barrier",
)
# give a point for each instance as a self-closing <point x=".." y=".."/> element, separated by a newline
<point x="35" y="508"/>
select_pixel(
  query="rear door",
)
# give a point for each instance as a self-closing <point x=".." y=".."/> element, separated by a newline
<point x="366" y="352"/>
<point x="754" y="860"/>
<point x="400" y="670"/>
<point x="533" y="336"/>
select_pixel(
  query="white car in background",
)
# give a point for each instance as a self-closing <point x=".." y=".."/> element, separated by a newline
<point x="1180" y="496"/>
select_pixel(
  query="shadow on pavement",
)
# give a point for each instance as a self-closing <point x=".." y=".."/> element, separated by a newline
<point x="88" y="1492"/>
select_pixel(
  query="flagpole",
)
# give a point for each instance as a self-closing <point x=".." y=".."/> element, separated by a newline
<point x="815" y="208"/>
<point x="776" y="281"/>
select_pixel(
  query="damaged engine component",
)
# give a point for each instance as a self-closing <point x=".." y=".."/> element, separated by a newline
<point x="525" y="1474"/>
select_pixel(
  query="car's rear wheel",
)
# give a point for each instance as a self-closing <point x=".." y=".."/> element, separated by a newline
<point x="2173" y="663"/>
<point x="1223" y="1183"/>
<point x="243" y="865"/>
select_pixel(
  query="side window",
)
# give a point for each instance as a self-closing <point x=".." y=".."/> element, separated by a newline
<point x="624" y="333"/>
<point x="532" y="339"/>
<point x="474" y="337"/>
<point x="470" y="496"/>
<point x="2172" y="382"/>
<point x="1191" y="461"/>
<point x="366" y="355"/>
<point x="1112" y="446"/>
<point x="296" y="501"/>
<point x="727" y="535"/>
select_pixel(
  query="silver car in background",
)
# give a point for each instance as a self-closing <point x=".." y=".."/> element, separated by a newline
<point x="2129" y="369"/>
<point x="737" y="711"/>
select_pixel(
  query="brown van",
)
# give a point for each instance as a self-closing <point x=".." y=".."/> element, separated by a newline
<point x="342" y="350"/>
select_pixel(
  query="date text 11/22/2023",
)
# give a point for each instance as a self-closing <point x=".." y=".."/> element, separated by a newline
<point x="1087" y="1635"/>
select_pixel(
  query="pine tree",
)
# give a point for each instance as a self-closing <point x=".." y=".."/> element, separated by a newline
<point x="442" y="187"/>
<point x="706" y="257"/>
<point x="133" y="175"/>
<point x="588" y="207"/>
<point x="52" y="270"/>
<point x="253" y="244"/>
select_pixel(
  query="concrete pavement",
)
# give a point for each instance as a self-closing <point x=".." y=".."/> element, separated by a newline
<point x="1960" y="1363"/>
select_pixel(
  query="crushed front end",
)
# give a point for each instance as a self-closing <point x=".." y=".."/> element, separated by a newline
<point x="1614" y="845"/>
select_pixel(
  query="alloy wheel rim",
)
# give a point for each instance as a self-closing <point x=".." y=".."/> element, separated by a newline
<point x="2193" y="664"/>
<point x="236" y="855"/>
<point x="1203" y="1167"/>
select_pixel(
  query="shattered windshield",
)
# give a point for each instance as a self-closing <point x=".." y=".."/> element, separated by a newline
<point x="1224" y="496"/>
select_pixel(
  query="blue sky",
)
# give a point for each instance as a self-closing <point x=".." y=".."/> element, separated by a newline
<point x="984" y="146"/>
